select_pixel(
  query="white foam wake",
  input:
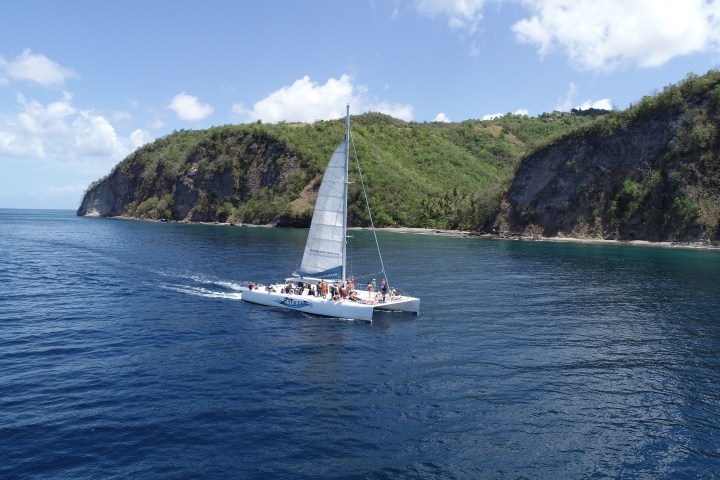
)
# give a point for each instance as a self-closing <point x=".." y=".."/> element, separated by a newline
<point x="202" y="292"/>
<point x="201" y="285"/>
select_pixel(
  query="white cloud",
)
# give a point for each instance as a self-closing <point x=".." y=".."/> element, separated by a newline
<point x="38" y="119"/>
<point x="461" y="14"/>
<point x="58" y="132"/>
<point x="308" y="101"/>
<point x="441" y="117"/>
<point x="602" y="35"/>
<point x="64" y="148"/>
<point x="403" y="112"/>
<point x="14" y="145"/>
<point x="95" y="137"/>
<point x="492" y="116"/>
<point x="602" y="104"/>
<point x="37" y="69"/>
<point x="139" y="137"/>
<point x="303" y="101"/>
<point x="566" y="104"/>
<point x="188" y="107"/>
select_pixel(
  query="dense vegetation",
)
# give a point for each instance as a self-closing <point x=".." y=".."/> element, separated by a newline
<point x="437" y="175"/>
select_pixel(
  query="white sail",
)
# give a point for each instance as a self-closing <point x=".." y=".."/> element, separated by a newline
<point x="324" y="256"/>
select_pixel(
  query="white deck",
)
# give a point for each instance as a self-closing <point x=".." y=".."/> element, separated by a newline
<point x="360" y="309"/>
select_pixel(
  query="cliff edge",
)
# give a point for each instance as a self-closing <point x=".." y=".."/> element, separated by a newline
<point x="651" y="172"/>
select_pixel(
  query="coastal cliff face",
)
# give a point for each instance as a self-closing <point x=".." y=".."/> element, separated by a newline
<point x="195" y="177"/>
<point x="107" y="198"/>
<point x="649" y="173"/>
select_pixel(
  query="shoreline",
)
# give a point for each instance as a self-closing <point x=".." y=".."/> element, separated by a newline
<point x="598" y="241"/>
<point x="700" y="245"/>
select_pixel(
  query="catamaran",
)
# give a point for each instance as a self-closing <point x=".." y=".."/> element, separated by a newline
<point x="321" y="285"/>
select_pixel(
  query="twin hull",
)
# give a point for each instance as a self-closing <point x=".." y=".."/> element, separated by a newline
<point x="329" y="308"/>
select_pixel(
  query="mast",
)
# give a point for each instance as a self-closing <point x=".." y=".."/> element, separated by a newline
<point x="344" y="213"/>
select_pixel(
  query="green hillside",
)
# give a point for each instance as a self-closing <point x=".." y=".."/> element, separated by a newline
<point x="437" y="175"/>
<point x="650" y="172"/>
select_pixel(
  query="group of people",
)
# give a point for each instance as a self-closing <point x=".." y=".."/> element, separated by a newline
<point x="384" y="288"/>
<point x="335" y="290"/>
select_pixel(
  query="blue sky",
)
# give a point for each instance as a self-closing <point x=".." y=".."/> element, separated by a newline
<point x="84" y="83"/>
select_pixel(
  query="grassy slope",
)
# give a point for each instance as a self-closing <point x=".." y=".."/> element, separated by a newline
<point x="438" y="175"/>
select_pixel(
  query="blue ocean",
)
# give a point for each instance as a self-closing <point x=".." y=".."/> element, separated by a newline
<point x="125" y="352"/>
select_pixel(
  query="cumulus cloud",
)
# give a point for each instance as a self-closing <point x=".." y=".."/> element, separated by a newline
<point x="96" y="137"/>
<point x="39" y="119"/>
<point x="602" y="35"/>
<point x="441" y="117"/>
<point x="37" y="69"/>
<point x="139" y="137"/>
<point x="403" y="112"/>
<point x="307" y="101"/>
<point x="602" y="104"/>
<point x="492" y="116"/>
<point x="20" y="146"/>
<point x="58" y="132"/>
<point x="303" y="101"/>
<point x="189" y="107"/>
<point x="461" y="14"/>
<point x="566" y="103"/>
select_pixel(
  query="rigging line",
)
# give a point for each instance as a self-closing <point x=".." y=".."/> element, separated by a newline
<point x="367" y="204"/>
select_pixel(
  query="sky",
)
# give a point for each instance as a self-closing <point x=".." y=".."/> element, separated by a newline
<point x="83" y="83"/>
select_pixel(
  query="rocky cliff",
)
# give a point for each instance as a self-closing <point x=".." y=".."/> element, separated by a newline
<point x="198" y="176"/>
<point x="651" y="172"/>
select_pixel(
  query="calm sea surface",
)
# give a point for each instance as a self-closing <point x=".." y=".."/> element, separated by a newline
<point x="125" y="352"/>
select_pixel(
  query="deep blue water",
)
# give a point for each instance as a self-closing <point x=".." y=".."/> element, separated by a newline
<point x="125" y="353"/>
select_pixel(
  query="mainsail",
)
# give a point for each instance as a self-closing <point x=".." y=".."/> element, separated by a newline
<point x="324" y="256"/>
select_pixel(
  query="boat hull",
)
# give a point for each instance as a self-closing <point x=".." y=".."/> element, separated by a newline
<point x="310" y="304"/>
<point x="402" y="304"/>
<point x="362" y="309"/>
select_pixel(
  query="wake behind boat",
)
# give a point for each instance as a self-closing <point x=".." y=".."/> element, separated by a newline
<point x="321" y="285"/>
